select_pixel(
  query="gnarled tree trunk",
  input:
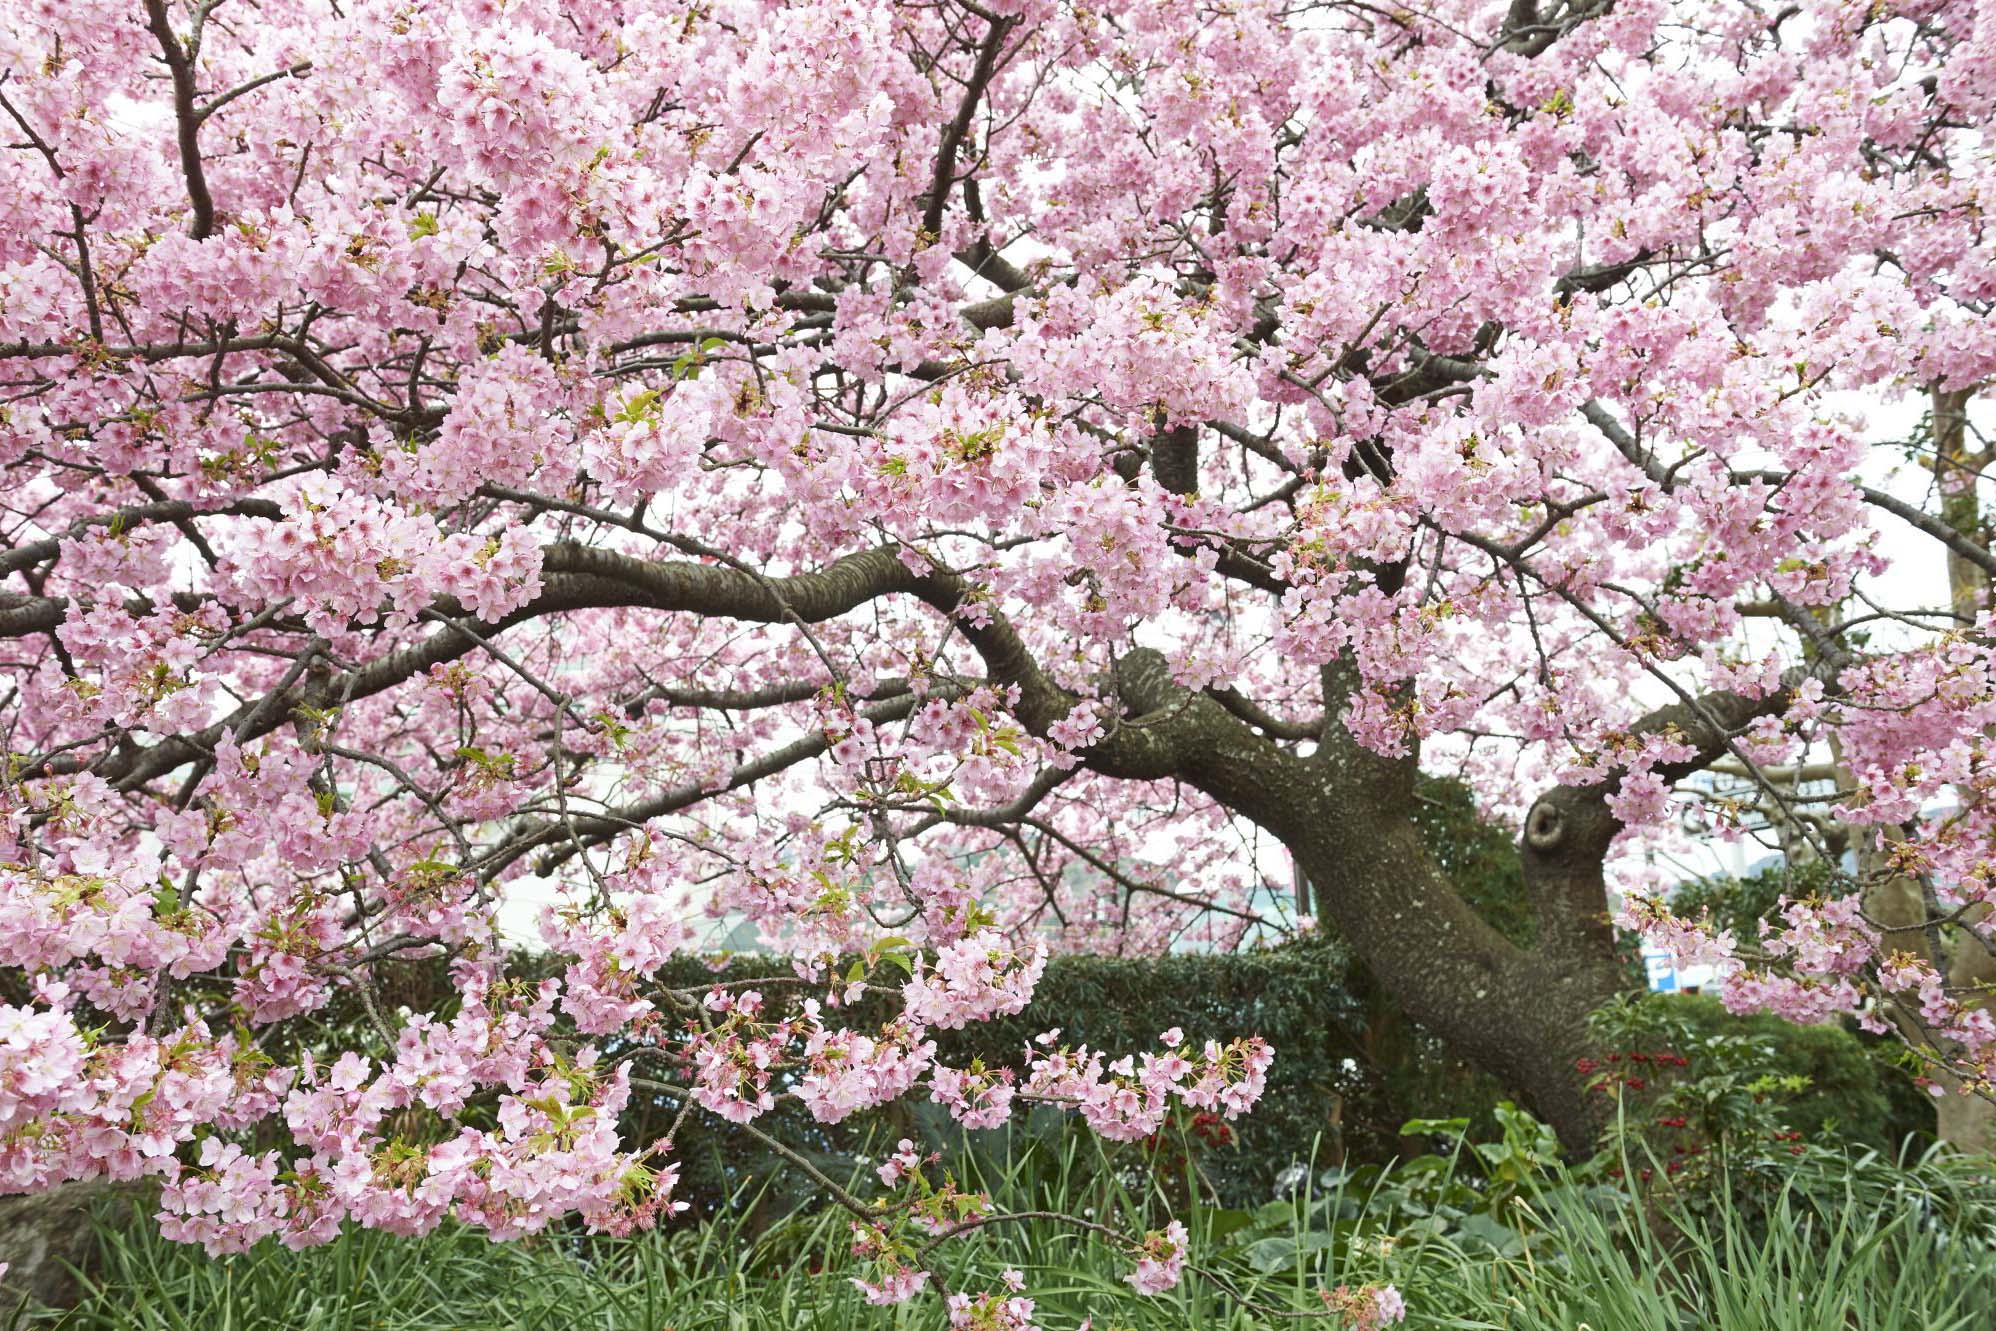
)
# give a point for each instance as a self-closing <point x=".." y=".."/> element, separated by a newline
<point x="1344" y="812"/>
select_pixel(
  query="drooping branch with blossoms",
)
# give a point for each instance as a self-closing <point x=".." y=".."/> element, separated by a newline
<point x="929" y="482"/>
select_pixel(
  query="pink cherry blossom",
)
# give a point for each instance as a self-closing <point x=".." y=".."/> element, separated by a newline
<point x="1161" y="1260"/>
<point x="922" y="487"/>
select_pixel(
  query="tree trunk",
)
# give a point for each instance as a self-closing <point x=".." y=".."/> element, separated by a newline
<point x="46" y="1236"/>
<point x="1519" y="1015"/>
<point x="1963" y="1119"/>
<point x="1345" y="813"/>
<point x="1967" y="1121"/>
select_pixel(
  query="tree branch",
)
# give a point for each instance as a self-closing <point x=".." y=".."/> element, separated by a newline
<point x="959" y="126"/>
<point x="179" y="59"/>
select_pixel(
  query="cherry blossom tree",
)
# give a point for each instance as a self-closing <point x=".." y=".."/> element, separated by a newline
<point x="937" y="481"/>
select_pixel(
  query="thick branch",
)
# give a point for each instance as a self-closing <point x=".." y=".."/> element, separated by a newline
<point x="187" y="117"/>
<point x="172" y="510"/>
<point x="577" y="577"/>
<point x="1570" y="829"/>
<point x="1174" y="459"/>
<point x="959" y="125"/>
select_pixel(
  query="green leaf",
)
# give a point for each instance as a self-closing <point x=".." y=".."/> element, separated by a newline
<point x="1281" y="1213"/>
<point x="639" y="409"/>
<point x="1444" y="1127"/>
<point x="1272" y="1254"/>
<point x="1499" y="1237"/>
<point x="687" y="366"/>
<point x="1221" y="1223"/>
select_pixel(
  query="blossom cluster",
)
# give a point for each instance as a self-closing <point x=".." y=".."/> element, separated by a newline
<point x="1128" y="1098"/>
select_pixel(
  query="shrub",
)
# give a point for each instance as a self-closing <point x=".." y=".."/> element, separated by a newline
<point x="1321" y="1094"/>
<point x="1688" y="1073"/>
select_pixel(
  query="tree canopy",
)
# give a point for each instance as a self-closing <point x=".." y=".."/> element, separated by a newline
<point x="940" y="480"/>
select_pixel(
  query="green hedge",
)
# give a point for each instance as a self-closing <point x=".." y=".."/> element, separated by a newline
<point x="1322" y="1095"/>
<point x="1349" y="1068"/>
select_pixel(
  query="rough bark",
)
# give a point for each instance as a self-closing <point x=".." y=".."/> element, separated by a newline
<point x="1895" y="901"/>
<point x="1517" y="1014"/>
<point x="46" y="1237"/>
<point x="1343" y="811"/>
<point x="1968" y="1121"/>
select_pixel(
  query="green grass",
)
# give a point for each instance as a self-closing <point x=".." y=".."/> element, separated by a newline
<point x="1807" y="1270"/>
<point x="1867" y="1249"/>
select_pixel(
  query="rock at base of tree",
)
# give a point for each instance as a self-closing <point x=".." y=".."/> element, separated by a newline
<point x="46" y="1236"/>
